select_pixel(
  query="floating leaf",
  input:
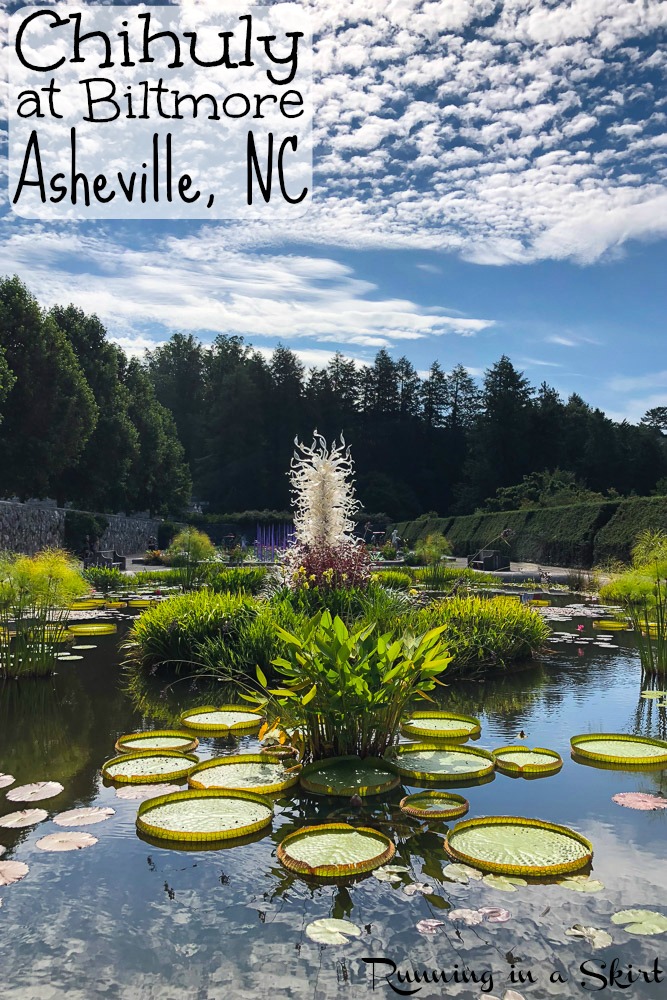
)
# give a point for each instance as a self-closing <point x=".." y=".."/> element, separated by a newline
<point x="504" y="883"/>
<point x="582" y="883"/>
<point x="654" y="694"/>
<point x="332" y="931"/>
<point x="620" y="748"/>
<point x="65" y="841"/>
<point x="415" y="887"/>
<point x="639" y="921"/>
<point x="12" y="871"/>
<point x="24" y="817"/>
<point x="429" y="926"/>
<point x="204" y="814"/>
<point x="639" y="800"/>
<point x="136" y="792"/>
<point x="35" y="792"/>
<point x="495" y="914"/>
<point x="2" y="850"/>
<point x="512" y="845"/>
<point x="83" y="817"/>
<point x="389" y="873"/>
<point x="461" y="873"/>
<point x="595" y="937"/>
<point x="6" y="779"/>
<point x="469" y="917"/>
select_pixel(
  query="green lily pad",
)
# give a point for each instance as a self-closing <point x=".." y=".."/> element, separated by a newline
<point x="641" y="921"/>
<point x="461" y="873"/>
<point x="334" y="850"/>
<point x="504" y="883"/>
<point x="204" y="815"/>
<point x="346" y="776"/>
<point x="582" y="883"/>
<point x="512" y="845"/>
<point x="331" y="931"/>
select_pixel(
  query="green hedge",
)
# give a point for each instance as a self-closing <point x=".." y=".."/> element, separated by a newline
<point x="616" y="538"/>
<point x="556" y="536"/>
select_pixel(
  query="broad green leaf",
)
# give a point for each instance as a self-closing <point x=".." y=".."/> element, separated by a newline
<point x="328" y="930"/>
<point x="641" y="921"/>
<point x="261" y="676"/>
<point x="504" y="883"/>
<point x="309" y="697"/>
<point x="582" y="883"/>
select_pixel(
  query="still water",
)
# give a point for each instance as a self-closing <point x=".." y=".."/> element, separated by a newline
<point x="129" y="919"/>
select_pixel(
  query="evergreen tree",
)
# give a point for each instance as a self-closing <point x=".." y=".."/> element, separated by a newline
<point x="177" y="372"/>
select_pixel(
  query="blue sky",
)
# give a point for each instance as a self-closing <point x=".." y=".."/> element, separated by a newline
<point x="489" y="179"/>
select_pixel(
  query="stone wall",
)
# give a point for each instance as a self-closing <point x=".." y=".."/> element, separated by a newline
<point x="29" y="528"/>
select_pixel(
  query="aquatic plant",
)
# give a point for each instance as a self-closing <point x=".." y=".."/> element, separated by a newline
<point x="393" y="578"/>
<point x="236" y="580"/>
<point x="35" y="592"/>
<point x="432" y="548"/>
<point x="104" y="578"/>
<point x="484" y="632"/>
<point x="451" y="579"/>
<point x="345" y="691"/>
<point x="642" y="594"/>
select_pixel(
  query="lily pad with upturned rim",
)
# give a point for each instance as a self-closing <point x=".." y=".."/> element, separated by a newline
<point x="146" y="766"/>
<point x="435" y="805"/>
<point x="204" y="815"/>
<point x="441" y="726"/>
<point x="513" y="845"/>
<point x="93" y="628"/>
<point x="158" y="739"/>
<point x="624" y="749"/>
<point x="334" y="850"/>
<point x="221" y="719"/>
<point x="252" y="772"/>
<point x="520" y="760"/>
<point x="437" y="763"/>
<point x="347" y="776"/>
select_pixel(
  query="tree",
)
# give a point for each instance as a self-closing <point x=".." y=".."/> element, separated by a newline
<point x="177" y="370"/>
<point x="159" y="479"/>
<point x="49" y="411"/>
<point x="434" y="397"/>
<point x="463" y="399"/>
<point x="99" y="479"/>
<point x="656" y="418"/>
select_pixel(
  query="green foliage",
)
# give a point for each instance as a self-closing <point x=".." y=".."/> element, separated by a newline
<point x="452" y="578"/>
<point x="81" y="526"/>
<point x="393" y="578"/>
<point x="346" y="691"/>
<point x="165" y="533"/>
<point x="650" y="547"/>
<point x="388" y="551"/>
<point x="192" y="552"/>
<point x="543" y="489"/>
<point x="35" y="592"/>
<point x="484" y="632"/>
<point x="235" y="580"/>
<point x="432" y="548"/>
<point x="155" y="577"/>
<point x="105" y="579"/>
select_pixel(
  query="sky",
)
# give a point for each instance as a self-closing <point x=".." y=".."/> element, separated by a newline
<point x="489" y="178"/>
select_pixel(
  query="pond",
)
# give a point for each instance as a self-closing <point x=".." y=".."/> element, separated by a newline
<point x="131" y="919"/>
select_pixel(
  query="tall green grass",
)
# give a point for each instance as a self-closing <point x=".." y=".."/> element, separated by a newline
<point x="642" y="594"/>
<point x="448" y="578"/>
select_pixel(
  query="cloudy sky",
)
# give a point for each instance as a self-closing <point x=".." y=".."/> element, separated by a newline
<point x="489" y="178"/>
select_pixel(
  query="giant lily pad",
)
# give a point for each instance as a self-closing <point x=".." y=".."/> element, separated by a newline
<point x="85" y="816"/>
<point x="334" y="850"/>
<point x="158" y="739"/>
<point x="93" y="628"/>
<point x="73" y="841"/>
<point x="640" y="800"/>
<point x="441" y="726"/>
<point x="6" y="780"/>
<point x="620" y="748"/>
<point x="253" y="772"/>
<point x="35" y="792"/>
<point x="519" y="760"/>
<point x="348" y="776"/>
<point x="435" y="805"/>
<point x="148" y="766"/>
<point x="204" y="815"/>
<point x="639" y="921"/>
<point x="512" y="845"/>
<point x="428" y="762"/>
<point x="224" y="719"/>
<point x="24" y="817"/>
<point x="12" y="871"/>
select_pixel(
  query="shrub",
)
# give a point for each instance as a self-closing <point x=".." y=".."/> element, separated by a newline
<point x="345" y="692"/>
<point x="35" y="592"/>
<point x="388" y="551"/>
<point x="482" y="632"/>
<point x="191" y="551"/>
<point x="104" y="579"/>
<point x="431" y="549"/>
<point x="328" y="567"/>
<point x="394" y="578"/>
<point x="80" y="526"/>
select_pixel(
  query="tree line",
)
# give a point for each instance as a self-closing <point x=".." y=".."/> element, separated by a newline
<point x="82" y="423"/>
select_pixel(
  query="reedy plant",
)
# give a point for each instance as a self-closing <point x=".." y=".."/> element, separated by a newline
<point x="35" y="593"/>
<point x="192" y="552"/>
<point x="642" y="594"/>
<point x="344" y="691"/>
